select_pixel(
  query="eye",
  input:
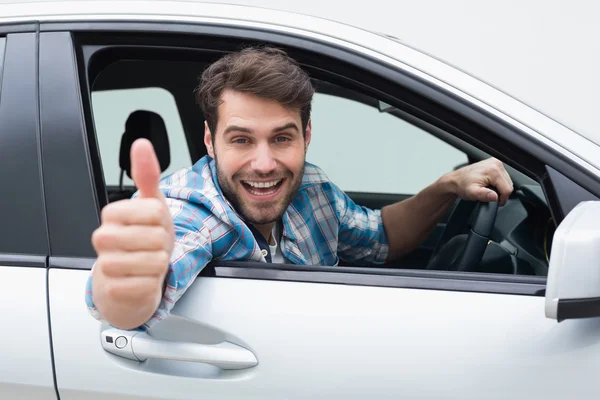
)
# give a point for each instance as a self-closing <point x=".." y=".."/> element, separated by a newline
<point x="282" y="139"/>
<point x="240" y="141"/>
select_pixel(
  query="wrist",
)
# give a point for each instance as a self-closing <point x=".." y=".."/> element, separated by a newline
<point x="448" y="184"/>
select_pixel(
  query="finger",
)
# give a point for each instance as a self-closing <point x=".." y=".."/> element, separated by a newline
<point x="505" y="196"/>
<point x="485" y="195"/>
<point x="146" y="211"/>
<point x="139" y="263"/>
<point x="145" y="169"/>
<point x="111" y="237"/>
<point x="131" y="289"/>
<point x="508" y="178"/>
<point x="499" y="184"/>
<point x="496" y="177"/>
<point x="505" y="187"/>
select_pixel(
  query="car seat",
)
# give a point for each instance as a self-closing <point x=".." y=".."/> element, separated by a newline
<point x="141" y="124"/>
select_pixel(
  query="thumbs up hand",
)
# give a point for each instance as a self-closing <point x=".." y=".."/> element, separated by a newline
<point x="134" y="244"/>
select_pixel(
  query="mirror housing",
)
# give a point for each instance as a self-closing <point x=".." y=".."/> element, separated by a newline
<point x="573" y="285"/>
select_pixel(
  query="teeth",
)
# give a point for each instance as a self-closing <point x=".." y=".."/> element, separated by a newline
<point x="254" y="192"/>
<point x="263" y="184"/>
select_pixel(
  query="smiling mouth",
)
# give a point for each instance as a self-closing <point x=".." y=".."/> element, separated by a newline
<point x="263" y="188"/>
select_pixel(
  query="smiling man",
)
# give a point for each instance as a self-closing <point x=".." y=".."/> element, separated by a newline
<point x="254" y="197"/>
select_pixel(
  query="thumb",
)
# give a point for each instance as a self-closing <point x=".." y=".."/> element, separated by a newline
<point x="145" y="169"/>
<point x="486" y="195"/>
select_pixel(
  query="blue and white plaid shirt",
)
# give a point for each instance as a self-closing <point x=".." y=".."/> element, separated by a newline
<point x="320" y="226"/>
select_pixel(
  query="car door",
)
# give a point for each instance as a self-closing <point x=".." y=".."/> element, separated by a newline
<point x="25" y="347"/>
<point x="253" y="330"/>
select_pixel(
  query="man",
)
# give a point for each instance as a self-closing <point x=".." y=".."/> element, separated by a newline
<point x="252" y="198"/>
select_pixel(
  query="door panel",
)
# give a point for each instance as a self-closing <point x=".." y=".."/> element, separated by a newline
<point x="335" y="341"/>
<point x="25" y="362"/>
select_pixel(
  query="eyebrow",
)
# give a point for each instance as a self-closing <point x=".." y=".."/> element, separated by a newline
<point x="236" y="128"/>
<point x="290" y="125"/>
<point x="241" y="129"/>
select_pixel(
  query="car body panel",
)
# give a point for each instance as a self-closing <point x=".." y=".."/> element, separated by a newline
<point x="25" y="363"/>
<point x="335" y="341"/>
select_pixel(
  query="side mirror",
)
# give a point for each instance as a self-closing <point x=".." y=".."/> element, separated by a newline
<point x="573" y="285"/>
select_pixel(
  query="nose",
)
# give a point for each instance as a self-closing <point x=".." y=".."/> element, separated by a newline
<point x="263" y="161"/>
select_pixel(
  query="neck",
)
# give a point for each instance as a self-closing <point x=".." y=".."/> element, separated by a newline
<point x="266" y="230"/>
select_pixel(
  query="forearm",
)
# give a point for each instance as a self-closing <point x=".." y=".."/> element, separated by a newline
<point x="409" y="222"/>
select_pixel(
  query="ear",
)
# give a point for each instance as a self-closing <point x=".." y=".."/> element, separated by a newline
<point x="308" y="134"/>
<point x="208" y="141"/>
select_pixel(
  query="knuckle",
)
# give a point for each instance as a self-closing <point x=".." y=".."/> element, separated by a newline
<point x="155" y="269"/>
<point x="100" y="266"/>
<point x="494" y="171"/>
<point x="163" y="259"/>
<point x="110" y="265"/>
<point x="95" y="235"/>
<point x="152" y="290"/>
<point x="107" y="212"/>
<point x="148" y="288"/>
<point x="101" y="237"/>
<point x="112" y="211"/>
<point x="161" y="238"/>
<point x="156" y="237"/>
<point x="166" y="238"/>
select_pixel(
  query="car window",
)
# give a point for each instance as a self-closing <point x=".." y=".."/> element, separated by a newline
<point x="370" y="152"/>
<point x="364" y="150"/>
<point x="112" y="109"/>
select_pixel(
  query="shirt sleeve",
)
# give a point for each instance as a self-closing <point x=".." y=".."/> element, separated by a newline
<point x="191" y="252"/>
<point x="362" y="236"/>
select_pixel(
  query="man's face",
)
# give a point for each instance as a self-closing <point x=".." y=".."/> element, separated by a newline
<point x="260" y="151"/>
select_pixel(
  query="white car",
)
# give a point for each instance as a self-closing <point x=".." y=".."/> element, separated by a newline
<point x="498" y="303"/>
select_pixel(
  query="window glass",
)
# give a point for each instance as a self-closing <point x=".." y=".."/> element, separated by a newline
<point x="364" y="150"/>
<point x="111" y="110"/>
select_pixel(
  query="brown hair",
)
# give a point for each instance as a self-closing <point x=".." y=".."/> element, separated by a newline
<point x="266" y="72"/>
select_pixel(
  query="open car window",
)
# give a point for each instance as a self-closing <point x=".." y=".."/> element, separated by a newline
<point x="362" y="149"/>
<point x="112" y="110"/>
<point x="377" y="154"/>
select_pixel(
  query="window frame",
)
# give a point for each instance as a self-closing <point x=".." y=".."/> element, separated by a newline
<point x="431" y="104"/>
<point x="24" y="229"/>
<point x="2" y="50"/>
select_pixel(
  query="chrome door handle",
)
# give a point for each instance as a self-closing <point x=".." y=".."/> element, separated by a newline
<point x="140" y="346"/>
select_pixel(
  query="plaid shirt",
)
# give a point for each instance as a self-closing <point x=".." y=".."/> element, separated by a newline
<point x="320" y="226"/>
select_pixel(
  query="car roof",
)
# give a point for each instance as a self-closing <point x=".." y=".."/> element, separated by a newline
<point x="544" y="53"/>
<point x="524" y="75"/>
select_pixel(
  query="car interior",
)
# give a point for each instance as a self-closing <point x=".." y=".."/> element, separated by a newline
<point x="513" y="239"/>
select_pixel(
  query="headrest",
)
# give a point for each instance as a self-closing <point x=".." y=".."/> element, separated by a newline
<point x="148" y="125"/>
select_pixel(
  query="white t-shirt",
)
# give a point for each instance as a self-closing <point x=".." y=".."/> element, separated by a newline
<point x="276" y="255"/>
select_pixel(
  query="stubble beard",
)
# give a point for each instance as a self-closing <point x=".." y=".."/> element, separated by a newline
<point x="259" y="214"/>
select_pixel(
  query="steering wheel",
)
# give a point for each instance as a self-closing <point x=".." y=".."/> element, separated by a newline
<point x="455" y="252"/>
